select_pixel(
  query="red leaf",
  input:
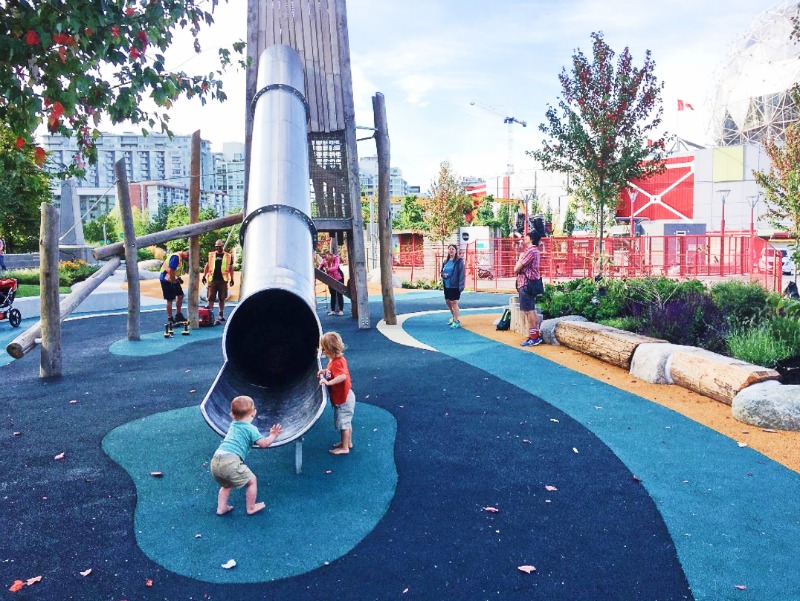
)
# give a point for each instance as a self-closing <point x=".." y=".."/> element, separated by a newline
<point x="20" y="142"/>
<point x="18" y="584"/>
<point x="550" y="488"/>
<point x="34" y="580"/>
<point x="31" y="39"/>
<point x="149" y="582"/>
<point x="129" y="11"/>
<point x="39" y="156"/>
<point x="115" y="30"/>
<point x="526" y="569"/>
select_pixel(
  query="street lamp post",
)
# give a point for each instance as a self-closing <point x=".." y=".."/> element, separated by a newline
<point x="724" y="196"/>
<point x="753" y="201"/>
<point x="632" y="194"/>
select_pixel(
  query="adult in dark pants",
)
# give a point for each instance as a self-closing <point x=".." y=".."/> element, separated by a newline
<point x="453" y="283"/>
<point x="171" y="282"/>
<point x="527" y="268"/>
<point x="2" y="255"/>
<point x="330" y="265"/>
<point x="219" y="268"/>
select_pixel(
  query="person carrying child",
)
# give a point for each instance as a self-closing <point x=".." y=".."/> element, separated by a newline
<point x="227" y="464"/>
<point x="337" y="378"/>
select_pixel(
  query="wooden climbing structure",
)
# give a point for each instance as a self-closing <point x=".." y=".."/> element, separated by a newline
<point x="317" y="30"/>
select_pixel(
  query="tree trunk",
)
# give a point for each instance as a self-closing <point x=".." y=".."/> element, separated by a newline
<point x="50" y="360"/>
<point x="194" y="241"/>
<point x="384" y="200"/>
<point x="131" y="256"/>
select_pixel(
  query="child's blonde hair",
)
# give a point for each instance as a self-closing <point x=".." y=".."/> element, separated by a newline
<point x="332" y="344"/>
<point x="242" y="406"/>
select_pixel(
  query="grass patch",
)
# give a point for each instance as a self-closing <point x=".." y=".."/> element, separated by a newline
<point x="26" y="290"/>
<point x="759" y="346"/>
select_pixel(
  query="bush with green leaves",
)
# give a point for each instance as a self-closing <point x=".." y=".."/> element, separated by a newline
<point x="743" y="304"/>
<point x="767" y="343"/>
<point x="595" y="301"/>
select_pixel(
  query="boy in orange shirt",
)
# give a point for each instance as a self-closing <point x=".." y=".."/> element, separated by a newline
<point x="337" y="378"/>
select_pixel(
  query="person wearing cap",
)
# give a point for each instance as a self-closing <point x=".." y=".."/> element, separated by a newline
<point x="527" y="268"/>
<point x="219" y="268"/>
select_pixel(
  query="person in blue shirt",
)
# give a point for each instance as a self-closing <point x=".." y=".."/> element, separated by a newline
<point x="172" y="268"/>
<point x="227" y="464"/>
<point x="453" y="283"/>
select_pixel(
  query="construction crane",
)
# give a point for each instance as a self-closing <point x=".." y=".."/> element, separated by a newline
<point x="509" y="120"/>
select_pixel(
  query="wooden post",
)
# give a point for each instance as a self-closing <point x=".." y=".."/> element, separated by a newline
<point x="50" y="361"/>
<point x="384" y="200"/>
<point x="131" y="256"/>
<point x="182" y="231"/>
<point x="355" y="238"/>
<point x="26" y="341"/>
<point x="194" y="241"/>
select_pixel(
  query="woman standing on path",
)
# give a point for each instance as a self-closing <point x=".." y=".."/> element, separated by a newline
<point x="453" y="282"/>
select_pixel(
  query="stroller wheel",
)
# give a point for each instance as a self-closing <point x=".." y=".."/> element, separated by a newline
<point x="14" y="318"/>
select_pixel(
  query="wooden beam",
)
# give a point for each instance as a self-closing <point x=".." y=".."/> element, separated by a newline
<point x="131" y="256"/>
<point x="183" y="231"/>
<point x="50" y="361"/>
<point x="26" y="342"/>
<point x="331" y="283"/>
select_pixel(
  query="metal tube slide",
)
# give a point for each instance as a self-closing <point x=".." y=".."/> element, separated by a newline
<point x="271" y="339"/>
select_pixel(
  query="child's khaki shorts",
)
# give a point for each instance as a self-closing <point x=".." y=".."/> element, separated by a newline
<point x="343" y="414"/>
<point x="230" y="471"/>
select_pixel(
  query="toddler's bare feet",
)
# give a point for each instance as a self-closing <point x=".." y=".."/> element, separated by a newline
<point x="338" y="445"/>
<point x="225" y="510"/>
<point x="256" y="508"/>
<point x="339" y="451"/>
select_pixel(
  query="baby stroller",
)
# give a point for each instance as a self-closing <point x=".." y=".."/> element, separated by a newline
<point x="8" y="290"/>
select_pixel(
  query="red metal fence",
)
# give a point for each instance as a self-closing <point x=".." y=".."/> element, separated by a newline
<point x="709" y="257"/>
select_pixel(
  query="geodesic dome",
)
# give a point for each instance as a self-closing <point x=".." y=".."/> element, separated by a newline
<point x="751" y="99"/>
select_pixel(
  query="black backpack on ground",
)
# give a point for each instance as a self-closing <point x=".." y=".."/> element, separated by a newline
<point x="505" y="320"/>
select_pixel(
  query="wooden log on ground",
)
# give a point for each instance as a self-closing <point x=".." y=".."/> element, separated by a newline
<point x="50" y="361"/>
<point x="183" y="231"/>
<point x="602" y="342"/>
<point x="131" y="256"/>
<point x="26" y="342"/>
<point x="714" y="375"/>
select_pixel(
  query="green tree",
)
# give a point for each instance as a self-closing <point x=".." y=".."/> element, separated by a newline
<point x="93" y="231"/>
<point x="24" y="186"/>
<point x="159" y="221"/>
<point x="448" y="202"/>
<point x="570" y="218"/>
<point x="505" y="218"/>
<point x="410" y="215"/>
<point x="599" y="136"/>
<point x="781" y="185"/>
<point x="179" y="215"/>
<point x="67" y="64"/>
<point x="485" y="213"/>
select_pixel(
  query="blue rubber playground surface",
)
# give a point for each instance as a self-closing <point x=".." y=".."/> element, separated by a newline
<point x="469" y="461"/>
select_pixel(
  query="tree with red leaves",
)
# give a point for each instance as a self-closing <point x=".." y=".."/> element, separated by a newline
<point x="67" y="65"/>
<point x="607" y="113"/>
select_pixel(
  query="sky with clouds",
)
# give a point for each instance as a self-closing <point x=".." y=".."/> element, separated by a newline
<point x="431" y="58"/>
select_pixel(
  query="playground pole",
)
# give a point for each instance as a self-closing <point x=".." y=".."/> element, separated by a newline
<point x="50" y="360"/>
<point x="384" y="222"/>
<point x="131" y="256"/>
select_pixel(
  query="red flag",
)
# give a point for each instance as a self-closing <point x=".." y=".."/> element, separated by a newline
<point x="684" y="105"/>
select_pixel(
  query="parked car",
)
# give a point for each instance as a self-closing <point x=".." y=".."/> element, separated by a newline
<point x="770" y="255"/>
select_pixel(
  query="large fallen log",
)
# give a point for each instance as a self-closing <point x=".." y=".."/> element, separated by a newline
<point x="714" y="375"/>
<point x="26" y="342"/>
<point x="183" y="231"/>
<point x="602" y="342"/>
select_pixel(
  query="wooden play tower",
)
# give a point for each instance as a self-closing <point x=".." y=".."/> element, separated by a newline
<point x="317" y="30"/>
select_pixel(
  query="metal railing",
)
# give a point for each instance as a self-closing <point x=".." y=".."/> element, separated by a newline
<point x="709" y="257"/>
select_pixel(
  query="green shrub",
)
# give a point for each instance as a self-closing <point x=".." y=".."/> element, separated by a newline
<point x="742" y="304"/>
<point x="629" y="324"/>
<point x="24" y="276"/>
<point x="71" y="272"/>
<point x="595" y="301"/>
<point x="787" y="330"/>
<point x="759" y="346"/>
<point x="144" y="254"/>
